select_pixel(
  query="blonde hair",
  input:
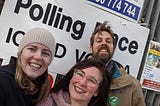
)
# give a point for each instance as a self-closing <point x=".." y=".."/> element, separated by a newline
<point x="30" y="87"/>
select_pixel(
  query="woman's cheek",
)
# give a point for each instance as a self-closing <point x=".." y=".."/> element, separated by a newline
<point x="92" y="89"/>
<point x="74" y="80"/>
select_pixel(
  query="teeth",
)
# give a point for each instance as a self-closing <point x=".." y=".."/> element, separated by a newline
<point x="103" y="50"/>
<point x="79" y="90"/>
<point x="35" y="65"/>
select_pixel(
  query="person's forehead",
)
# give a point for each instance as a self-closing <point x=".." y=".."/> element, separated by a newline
<point x="37" y="45"/>
<point x="103" y="34"/>
<point x="92" y="71"/>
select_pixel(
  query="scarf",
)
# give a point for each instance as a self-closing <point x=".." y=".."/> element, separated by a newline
<point x="61" y="98"/>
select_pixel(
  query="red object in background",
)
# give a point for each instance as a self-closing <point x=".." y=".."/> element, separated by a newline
<point x="51" y="81"/>
<point x="151" y="84"/>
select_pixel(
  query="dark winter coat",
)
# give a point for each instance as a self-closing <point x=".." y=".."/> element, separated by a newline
<point x="10" y="92"/>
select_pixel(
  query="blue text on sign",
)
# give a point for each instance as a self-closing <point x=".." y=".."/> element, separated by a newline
<point x="121" y="6"/>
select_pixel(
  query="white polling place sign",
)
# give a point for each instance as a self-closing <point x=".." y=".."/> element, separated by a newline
<point x="71" y="22"/>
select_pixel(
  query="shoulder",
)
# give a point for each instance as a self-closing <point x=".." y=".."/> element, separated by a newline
<point x="124" y="79"/>
<point x="136" y="84"/>
<point x="138" y="96"/>
<point x="7" y="83"/>
<point x="7" y="80"/>
<point x="132" y="82"/>
<point x="46" y="102"/>
<point x="9" y="90"/>
<point x="10" y="68"/>
<point x="7" y="74"/>
<point x="129" y="77"/>
<point x="5" y="77"/>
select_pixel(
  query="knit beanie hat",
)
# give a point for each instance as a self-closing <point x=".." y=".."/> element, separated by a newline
<point x="38" y="35"/>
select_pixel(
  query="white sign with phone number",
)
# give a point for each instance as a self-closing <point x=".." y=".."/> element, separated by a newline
<point x="128" y="9"/>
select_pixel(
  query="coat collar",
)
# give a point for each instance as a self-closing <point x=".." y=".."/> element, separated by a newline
<point x="120" y="78"/>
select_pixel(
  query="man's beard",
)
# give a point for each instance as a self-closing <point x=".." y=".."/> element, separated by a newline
<point x="104" y="58"/>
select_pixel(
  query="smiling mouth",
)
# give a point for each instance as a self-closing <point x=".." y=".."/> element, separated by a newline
<point x="35" y="65"/>
<point x="103" y="50"/>
<point x="78" y="89"/>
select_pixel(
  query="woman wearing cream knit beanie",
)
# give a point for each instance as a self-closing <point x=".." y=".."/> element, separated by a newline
<point x="26" y="80"/>
<point x="41" y="37"/>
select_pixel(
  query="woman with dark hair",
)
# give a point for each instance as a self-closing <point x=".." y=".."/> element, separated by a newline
<point x="86" y="84"/>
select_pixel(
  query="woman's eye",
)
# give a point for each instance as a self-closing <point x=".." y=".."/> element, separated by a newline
<point x="80" y="74"/>
<point x="92" y="80"/>
<point x="32" y="49"/>
<point x="46" y="54"/>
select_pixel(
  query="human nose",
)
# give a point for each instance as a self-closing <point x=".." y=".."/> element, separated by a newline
<point x="103" y="41"/>
<point x="38" y="55"/>
<point x="83" y="81"/>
